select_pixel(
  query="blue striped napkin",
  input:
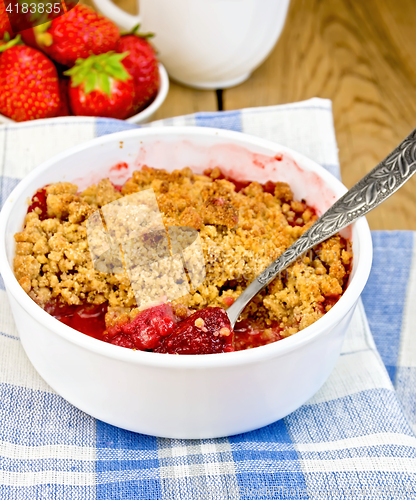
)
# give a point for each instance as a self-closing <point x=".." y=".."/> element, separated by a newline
<point x="353" y="440"/>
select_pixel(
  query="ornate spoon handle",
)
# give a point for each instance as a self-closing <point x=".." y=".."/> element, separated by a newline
<point x="385" y="179"/>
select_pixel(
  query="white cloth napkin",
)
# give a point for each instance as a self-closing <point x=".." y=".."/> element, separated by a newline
<point x="352" y="440"/>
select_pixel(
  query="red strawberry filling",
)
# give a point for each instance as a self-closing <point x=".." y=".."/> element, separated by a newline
<point x="38" y="204"/>
<point x="157" y="329"/>
<point x="146" y="331"/>
<point x="207" y="331"/>
<point x="88" y="319"/>
<point x="249" y="334"/>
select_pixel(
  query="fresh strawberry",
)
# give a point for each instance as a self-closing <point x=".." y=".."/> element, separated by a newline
<point x="28" y="83"/>
<point x="64" y="109"/>
<point x="30" y="36"/>
<point x="101" y="86"/>
<point x="4" y="23"/>
<point x="76" y="35"/>
<point x="141" y="63"/>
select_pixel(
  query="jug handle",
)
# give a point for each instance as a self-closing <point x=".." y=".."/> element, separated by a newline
<point x="123" y="19"/>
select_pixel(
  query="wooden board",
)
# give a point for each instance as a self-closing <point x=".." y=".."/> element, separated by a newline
<point x="362" y="56"/>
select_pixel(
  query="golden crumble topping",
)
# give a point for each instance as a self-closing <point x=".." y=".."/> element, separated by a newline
<point x="241" y="233"/>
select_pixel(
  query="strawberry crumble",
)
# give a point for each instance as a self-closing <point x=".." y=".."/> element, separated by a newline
<point x="242" y="228"/>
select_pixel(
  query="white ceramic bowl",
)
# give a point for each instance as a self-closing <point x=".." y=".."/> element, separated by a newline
<point x="182" y="396"/>
<point x="146" y="114"/>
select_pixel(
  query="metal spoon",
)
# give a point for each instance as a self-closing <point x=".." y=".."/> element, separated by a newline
<point x="385" y="179"/>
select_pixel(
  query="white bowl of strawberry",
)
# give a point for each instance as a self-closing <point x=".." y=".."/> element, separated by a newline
<point x="79" y="64"/>
<point x="160" y="386"/>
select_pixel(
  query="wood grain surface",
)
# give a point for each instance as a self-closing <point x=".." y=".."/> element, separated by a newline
<point x="359" y="54"/>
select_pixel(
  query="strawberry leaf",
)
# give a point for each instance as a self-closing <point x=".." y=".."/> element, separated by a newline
<point x="95" y="72"/>
<point x="104" y="83"/>
<point x="118" y="72"/>
<point x="90" y="82"/>
<point x="135" y="31"/>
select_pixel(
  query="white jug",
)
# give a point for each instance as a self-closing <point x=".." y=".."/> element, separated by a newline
<point x="207" y="44"/>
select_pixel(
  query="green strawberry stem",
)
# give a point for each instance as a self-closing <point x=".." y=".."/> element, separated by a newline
<point x="7" y="43"/>
<point x="135" y="31"/>
<point x="96" y="72"/>
<point x="42" y="37"/>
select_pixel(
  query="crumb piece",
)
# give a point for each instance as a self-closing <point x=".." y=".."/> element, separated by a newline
<point x="225" y="332"/>
<point x="283" y="192"/>
<point x="200" y="323"/>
